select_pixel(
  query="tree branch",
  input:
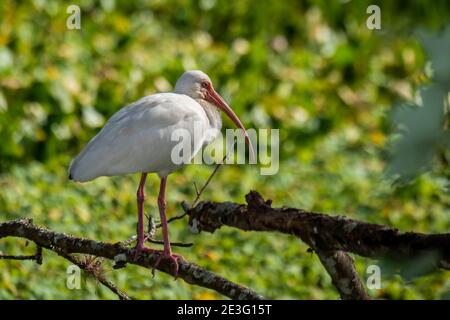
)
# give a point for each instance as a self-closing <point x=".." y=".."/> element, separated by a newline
<point x="328" y="236"/>
<point x="320" y="231"/>
<point x="341" y="268"/>
<point x="61" y="242"/>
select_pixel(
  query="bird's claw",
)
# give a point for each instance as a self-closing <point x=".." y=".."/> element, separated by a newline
<point x="173" y="258"/>
<point x="160" y="255"/>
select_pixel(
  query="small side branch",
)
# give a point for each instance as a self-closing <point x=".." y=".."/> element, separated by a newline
<point x="341" y="268"/>
<point x="6" y="257"/>
<point x="93" y="268"/>
<point x="37" y="256"/>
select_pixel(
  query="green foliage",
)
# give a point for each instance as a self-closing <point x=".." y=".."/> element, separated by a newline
<point x="310" y="68"/>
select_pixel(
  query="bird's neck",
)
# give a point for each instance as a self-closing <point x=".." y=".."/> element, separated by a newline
<point x="213" y="114"/>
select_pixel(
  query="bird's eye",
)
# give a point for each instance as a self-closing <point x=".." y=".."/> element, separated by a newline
<point x="205" y="84"/>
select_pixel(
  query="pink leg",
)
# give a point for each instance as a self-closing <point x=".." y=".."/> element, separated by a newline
<point x="167" y="253"/>
<point x="140" y="204"/>
<point x="165" y="229"/>
<point x="140" y="226"/>
<point x="162" y="213"/>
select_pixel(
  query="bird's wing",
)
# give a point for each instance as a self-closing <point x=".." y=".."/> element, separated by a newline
<point x="138" y="138"/>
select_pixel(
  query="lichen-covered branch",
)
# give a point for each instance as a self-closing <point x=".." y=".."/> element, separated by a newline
<point x="60" y="242"/>
<point x="331" y="237"/>
<point x="341" y="268"/>
<point x="320" y="231"/>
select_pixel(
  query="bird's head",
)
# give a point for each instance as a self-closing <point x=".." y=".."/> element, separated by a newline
<point x="197" y="85"/>
<point x="194" y="84"/>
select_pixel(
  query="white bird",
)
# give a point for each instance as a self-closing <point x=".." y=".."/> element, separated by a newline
<point x="137" y="139"/>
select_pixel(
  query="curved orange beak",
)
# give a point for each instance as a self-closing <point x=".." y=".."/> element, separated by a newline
<point x="217" y="100"/>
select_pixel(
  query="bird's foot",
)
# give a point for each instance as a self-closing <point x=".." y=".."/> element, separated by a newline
<point x="173" y="258"/>
<point x="161" y="254"/>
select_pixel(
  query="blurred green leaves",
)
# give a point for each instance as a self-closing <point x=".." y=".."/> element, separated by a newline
<point x="309" y="68"/>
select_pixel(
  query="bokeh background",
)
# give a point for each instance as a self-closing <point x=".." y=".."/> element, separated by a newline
<point x="361" y="113"/>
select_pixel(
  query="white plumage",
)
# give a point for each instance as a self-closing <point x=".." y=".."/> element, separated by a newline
<point x="138" y="138"/>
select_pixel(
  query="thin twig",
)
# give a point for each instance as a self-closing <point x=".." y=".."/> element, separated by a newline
<point x="196" y="189"/>
<point x="5" y="257"/>
<point x="132" y="239"/>
<point x="181" y="216"/>
<point x="199" y="194"/>
<point x="37" y="256"/>
<point x="175" y="244"/>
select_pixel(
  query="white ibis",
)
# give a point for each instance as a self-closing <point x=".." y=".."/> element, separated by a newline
<point x="137" y="139"/>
